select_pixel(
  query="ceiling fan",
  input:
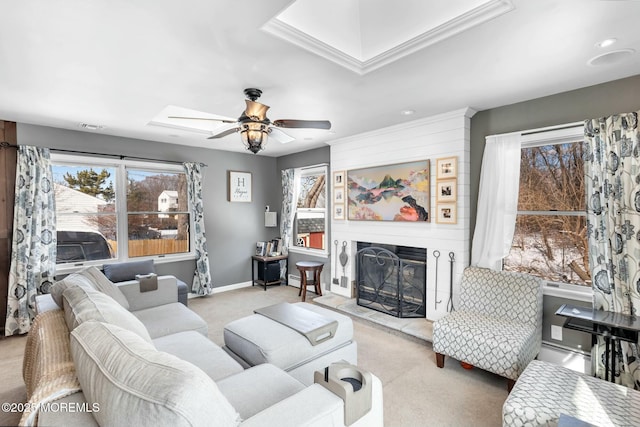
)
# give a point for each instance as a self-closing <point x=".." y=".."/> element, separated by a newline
<point x="254" y="125"/>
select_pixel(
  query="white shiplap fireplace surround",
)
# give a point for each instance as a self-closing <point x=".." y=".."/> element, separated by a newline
<point x="444" y="135"/>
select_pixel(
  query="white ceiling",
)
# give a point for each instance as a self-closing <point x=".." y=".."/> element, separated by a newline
<point x="119" y="64"/>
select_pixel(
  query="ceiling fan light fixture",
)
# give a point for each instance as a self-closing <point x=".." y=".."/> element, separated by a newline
<point x="254" y="136"/>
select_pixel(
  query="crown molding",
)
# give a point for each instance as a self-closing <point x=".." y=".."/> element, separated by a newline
<point x="466" y="112"/>
<point x="476" y="16"/>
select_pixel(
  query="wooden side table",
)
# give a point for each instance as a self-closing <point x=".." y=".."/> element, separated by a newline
<point x="266" y="260"/>
<point x="316" y="268"/>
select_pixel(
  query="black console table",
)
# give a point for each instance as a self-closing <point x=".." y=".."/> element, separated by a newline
<point x="266" y="261"/>
<point x="611" y="326"/>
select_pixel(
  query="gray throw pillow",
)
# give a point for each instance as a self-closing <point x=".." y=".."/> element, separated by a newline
<point x="123" y="271"/>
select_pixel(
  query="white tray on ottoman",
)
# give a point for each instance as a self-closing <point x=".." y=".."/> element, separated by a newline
<point x="258" y="339"/>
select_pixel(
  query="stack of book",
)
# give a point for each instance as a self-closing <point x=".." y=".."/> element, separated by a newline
<point x="270" y="248"/>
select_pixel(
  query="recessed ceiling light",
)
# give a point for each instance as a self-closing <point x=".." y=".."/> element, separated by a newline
<point x="606" y="42"/>
<point x="407" y="112"/>
<point x="612" y="57"/>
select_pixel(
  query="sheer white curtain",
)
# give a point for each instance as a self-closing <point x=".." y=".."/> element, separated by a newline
<point x="497" y="200"/>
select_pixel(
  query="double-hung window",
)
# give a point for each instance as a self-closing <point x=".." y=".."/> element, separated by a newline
<point x="550" y="239"/>
<point x="310" y="225"/>
<point x="119" y="210"/>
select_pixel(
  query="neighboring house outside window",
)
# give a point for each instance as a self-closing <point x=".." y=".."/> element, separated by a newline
<point x="114" y="210"/>
<point x="550" y="238"/>
<point x="310" y="227"/>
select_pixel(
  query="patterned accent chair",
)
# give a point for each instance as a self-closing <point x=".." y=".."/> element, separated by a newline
<point x="497" y="325"/>
<point x="546" y="392"/>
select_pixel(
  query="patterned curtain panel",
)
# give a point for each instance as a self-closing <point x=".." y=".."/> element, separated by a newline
<point x="33" y="251"/>
<point x="202" y="277"/>
<point x="288" y="214"/>
<point x="612" y="171"/>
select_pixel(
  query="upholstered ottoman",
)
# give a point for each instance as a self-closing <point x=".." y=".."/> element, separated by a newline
<point x="258" y="339"/>
<point x="546" y="391"/>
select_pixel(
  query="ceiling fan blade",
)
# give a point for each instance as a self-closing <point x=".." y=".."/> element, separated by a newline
<point x="256" y="109"/>
<point x="279" y="135"/>
<point x="311" y="124"/>
<point x="202" y="118"/>
<point x="225" y="130"/>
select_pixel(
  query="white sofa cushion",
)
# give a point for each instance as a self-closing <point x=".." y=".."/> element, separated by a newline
<point x="72" y="280"/>
<point x="258" y="388"/>
<point x="104" y="285"/>
<point x="81" y="305"/>
<point x="200" y="351"/>
<point x="134" y="384"/>
<point x="89" y="277"/>
<point x="170" y="319"/>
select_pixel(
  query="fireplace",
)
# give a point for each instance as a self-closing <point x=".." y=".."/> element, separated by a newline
<point x="392" y="279"/>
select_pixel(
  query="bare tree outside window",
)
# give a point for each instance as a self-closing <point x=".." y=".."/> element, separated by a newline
<point x="550" y="239"/>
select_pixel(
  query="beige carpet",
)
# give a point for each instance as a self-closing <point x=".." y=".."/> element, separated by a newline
<point x="416" y="392"/>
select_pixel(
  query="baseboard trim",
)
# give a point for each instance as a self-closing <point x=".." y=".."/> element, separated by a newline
<point x="221" y="289"/>
<point x="231" y="287"/>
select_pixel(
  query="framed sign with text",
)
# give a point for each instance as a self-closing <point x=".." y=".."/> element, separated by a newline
<point x="239" y="186"/>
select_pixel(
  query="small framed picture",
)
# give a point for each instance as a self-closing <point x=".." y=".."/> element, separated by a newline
<point x="338" y="179"/>
<point x="261" y="248"/>
<point x="446" y="213"/>
<point x="338" y="211"/>
<point x="338" y="195"/>
<point x="447" y="168"/>
<point x="447" y="190"/>
<point x="239" y="189"/>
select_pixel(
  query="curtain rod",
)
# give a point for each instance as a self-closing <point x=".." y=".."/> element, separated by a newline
<point x="5" y="144"/>
<point x="574" y="125"/>
<point x="553" y="128"/>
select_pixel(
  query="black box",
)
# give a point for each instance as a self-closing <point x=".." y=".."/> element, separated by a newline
<point x="273" y="271"/>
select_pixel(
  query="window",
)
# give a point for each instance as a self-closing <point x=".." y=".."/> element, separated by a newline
<point x="550" y="239"/>
<point x="151" y="232"/>
<point x="119" y="210"/>
<point x="311" y="208"/>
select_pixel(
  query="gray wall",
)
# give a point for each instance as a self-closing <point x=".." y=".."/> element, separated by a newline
<point x="620" y="96"/>
<point x="298" y="160"/>
<point x="232" y="229"/>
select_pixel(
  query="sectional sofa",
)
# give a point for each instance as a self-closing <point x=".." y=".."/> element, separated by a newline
<point x="101" y="354"/>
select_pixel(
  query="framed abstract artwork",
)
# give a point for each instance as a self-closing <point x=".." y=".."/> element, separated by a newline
<point x="398" y="192"/>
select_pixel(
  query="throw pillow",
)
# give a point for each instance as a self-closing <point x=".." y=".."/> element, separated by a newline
<point x="82" y="305"/>
<point x="134" y="384"/>
<point x="104" y="285"/>
<point x="58" y="288"/>
<point x="123" y="271"/>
